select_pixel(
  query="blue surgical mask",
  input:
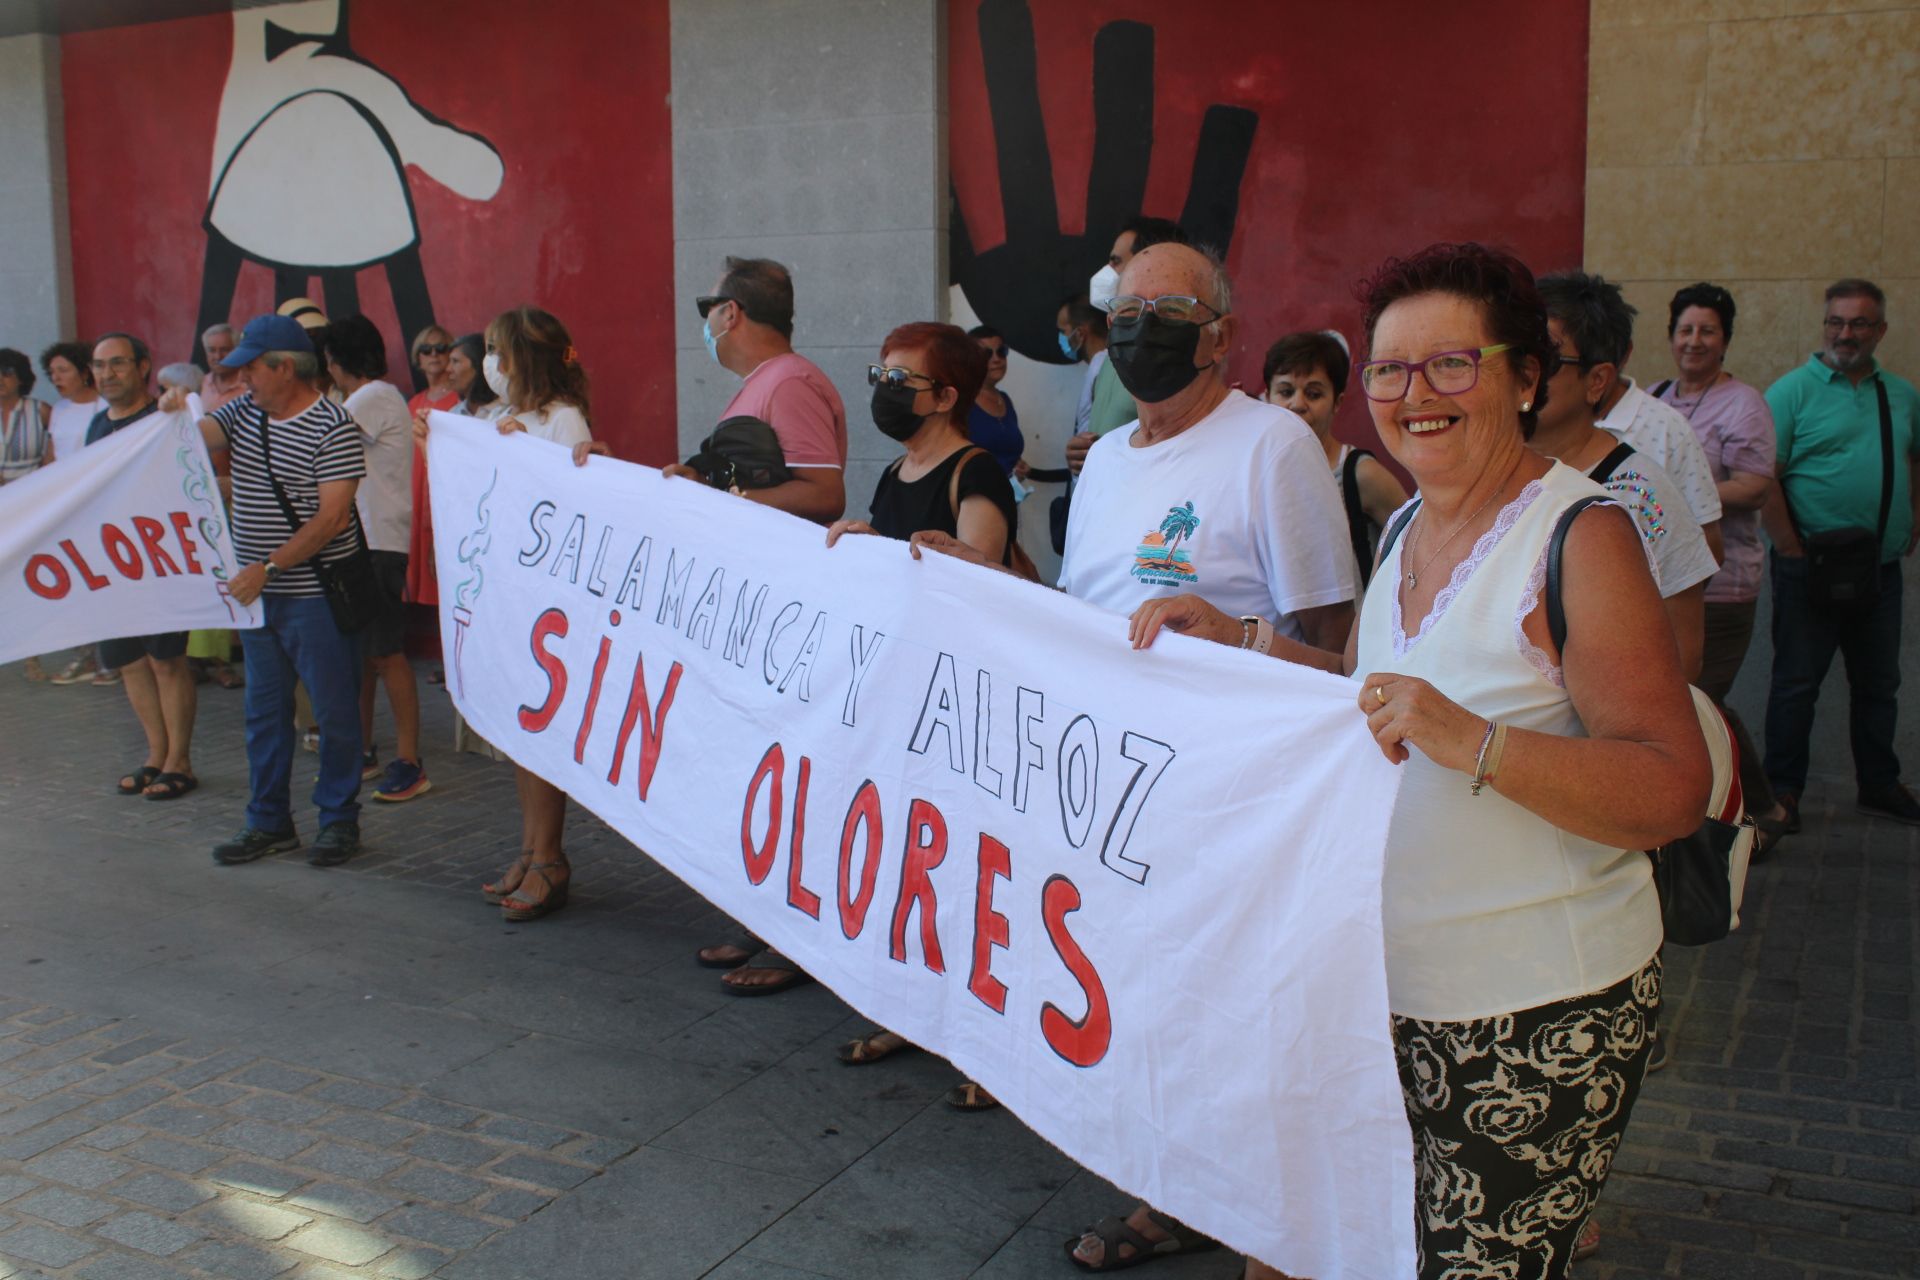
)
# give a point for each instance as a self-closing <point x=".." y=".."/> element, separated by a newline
<point x="1067" y="348"/>
<point x="706" y="333"/>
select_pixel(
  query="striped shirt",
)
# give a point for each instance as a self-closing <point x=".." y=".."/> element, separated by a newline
<point x="23" y="441"/>
<point x="318" y="445"/>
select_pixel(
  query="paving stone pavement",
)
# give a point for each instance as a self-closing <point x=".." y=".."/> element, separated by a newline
<point x="275" y="1071"/>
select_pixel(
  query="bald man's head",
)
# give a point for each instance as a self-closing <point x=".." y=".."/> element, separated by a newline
<point x="1158" y="354"/>
<point x="1163" y="269"/>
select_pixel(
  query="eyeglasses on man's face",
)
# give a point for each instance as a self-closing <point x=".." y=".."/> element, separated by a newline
<point x="114" y="364"/>
<point x="1174" y="308"/>
<point x="1856" y="325"/>
<point x="994" y="351"/>
<point x="1447" y="372"/>
<point x="895" y="376"/>
<point x="708" y="301"/>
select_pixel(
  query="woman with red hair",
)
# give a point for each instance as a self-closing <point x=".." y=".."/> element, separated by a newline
<point x="923" y="389"/>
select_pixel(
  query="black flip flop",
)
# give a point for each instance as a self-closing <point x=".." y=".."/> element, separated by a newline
<point x="971" y="1096"/>
<point x="794" y="978"/>
<point x="143" y="777"/>
<point x="176" y="784"/>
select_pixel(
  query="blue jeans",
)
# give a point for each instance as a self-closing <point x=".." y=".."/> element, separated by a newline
<point x="1804" y="640"/>
<point x="300" y="641"/>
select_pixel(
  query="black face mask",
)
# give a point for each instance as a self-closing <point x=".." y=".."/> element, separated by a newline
<point x="893" y="411"/>
<point x="1154" y="359"/>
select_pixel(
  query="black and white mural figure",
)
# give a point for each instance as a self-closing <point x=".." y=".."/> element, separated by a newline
<point x="309" y="167"/>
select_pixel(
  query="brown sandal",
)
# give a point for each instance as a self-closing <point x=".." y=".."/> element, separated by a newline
<point x="515" y="911"/>
<point x="869" y="1048"/>
<point x="501" y="888"/>
<point x="1112" y="1233"/>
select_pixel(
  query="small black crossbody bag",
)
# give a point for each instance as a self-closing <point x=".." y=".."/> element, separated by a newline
<point x="354" y="595"/>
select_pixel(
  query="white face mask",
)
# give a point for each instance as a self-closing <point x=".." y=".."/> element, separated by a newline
<point x="1105" y="283"/>
<point x="490" y="370"/>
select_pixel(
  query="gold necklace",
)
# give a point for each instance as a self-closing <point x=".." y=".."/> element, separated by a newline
<point x="1413" y="575"/>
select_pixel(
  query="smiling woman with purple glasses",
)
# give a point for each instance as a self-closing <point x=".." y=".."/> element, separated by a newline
<point x="1522" y="928"/>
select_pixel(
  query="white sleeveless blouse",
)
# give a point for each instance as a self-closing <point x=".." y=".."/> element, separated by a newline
<point x="1487" y="908"/>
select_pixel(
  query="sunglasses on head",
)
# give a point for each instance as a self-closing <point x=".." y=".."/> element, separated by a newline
<point x="435" y="348"/>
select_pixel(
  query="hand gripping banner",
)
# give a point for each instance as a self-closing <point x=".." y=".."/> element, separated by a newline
<point x="1134" y="894"/>
<point x="128" y="538"/>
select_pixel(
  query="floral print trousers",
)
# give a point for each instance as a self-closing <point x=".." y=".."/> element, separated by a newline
<point x="1516" y="1119"/>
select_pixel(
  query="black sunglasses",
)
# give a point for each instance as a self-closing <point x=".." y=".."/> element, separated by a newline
<point x="435" y="348"/>
<point x="993" y="351"/>
<point x="707" y="302"/>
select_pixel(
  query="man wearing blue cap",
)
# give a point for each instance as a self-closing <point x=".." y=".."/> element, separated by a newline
<point x="296" y="460"/>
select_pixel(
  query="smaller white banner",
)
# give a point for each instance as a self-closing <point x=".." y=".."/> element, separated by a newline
<point x="129" y="538"/>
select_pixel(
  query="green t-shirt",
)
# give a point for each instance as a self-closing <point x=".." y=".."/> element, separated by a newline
<point x="1827" y="431"/>
<point x="1112" y="406"/>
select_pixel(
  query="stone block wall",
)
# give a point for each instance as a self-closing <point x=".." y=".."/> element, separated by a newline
<point x="36" y="283"/>
<point x="815" y="135"/>
<point x="1770" y="146"/>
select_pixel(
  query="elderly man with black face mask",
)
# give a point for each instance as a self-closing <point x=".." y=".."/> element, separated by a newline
<point x="1210" y="491"/>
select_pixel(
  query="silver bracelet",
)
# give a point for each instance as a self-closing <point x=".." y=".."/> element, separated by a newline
<point x="1480" y="760"/>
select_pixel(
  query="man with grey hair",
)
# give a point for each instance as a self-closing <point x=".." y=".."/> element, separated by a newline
<point x="1846" y="510"/>
<point x="297" y="460"/>
<point x="221" y="383"/>
<point x="1209" y="493"/>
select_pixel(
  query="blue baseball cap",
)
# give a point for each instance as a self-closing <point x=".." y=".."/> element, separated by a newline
<point x="268" y="333"/>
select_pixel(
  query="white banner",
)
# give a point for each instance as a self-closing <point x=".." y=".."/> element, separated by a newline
<point x="1136" y="895"/>
<point x="127" y="538"/>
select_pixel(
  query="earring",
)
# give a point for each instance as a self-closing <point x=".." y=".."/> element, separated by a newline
<point x="1525" y="405"/>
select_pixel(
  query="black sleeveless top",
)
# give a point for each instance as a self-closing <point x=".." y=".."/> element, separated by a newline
<point x="902" y="508"/>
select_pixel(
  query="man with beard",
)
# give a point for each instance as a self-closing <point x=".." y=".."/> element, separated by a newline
<point x="1848" y="436"/>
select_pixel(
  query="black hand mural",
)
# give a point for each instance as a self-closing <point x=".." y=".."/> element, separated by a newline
<point x="1018" y="286"/>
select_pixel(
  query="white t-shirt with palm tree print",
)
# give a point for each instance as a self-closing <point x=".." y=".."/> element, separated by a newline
<point x="1239" y="508"/>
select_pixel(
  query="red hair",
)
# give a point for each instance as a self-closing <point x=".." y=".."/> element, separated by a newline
<point x="952" y="359"/>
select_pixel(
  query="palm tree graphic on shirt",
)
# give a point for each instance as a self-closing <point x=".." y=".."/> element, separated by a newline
<point x="1160" y="551"/>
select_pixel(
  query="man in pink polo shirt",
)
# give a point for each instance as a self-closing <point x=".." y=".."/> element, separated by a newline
<point x="748" y="326"/>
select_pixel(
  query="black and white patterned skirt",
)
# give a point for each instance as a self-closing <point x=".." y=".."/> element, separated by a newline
<point x="1515" y="1122"/>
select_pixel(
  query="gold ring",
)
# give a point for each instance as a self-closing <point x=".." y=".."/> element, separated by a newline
<point x="1381" y="694"/>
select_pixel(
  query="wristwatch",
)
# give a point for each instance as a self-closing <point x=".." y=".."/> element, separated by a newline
<point x="273" y="570"/>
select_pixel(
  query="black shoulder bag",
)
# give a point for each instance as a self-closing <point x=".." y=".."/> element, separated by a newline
<point x="1701" y="877"/>
<point x="1843" y="565"/>
<point x="353" y="591"/>
<point x="1356" y="514"/>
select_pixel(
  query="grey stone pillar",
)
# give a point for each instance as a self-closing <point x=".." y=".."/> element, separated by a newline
<point x="36" y="275"/>
<point x="814" y="134"/>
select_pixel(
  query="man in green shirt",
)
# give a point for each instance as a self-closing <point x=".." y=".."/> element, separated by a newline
<point x="1827" y="417"/>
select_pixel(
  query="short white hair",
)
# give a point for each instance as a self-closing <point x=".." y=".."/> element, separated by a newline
<point x="183" y="374"/>
<point x="220" y="331"/>
<point x="305" y="363"/>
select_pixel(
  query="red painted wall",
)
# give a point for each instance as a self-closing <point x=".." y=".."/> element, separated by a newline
<point x="1382" y="128"/>
<point x="582" y="224"/>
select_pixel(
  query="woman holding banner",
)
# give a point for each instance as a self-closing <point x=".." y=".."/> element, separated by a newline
<point x="532" y="367"/>
<point x="923" y="392"/>
<point x="1522" y="927"/>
